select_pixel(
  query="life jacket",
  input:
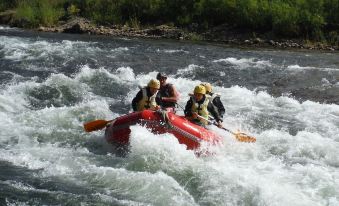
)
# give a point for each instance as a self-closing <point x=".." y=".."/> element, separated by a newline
<point x="146" y="102"/>
<point x="165" y="91"/>
<point x="201" y="109"/>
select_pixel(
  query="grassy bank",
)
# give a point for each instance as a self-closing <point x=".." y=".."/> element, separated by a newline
<point x="316" y="20"/>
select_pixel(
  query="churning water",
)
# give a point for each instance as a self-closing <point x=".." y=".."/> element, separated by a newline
<point x="52" y="83"/>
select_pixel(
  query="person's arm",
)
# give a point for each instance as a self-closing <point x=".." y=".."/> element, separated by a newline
<point x="174" y="95"/>
<point x="221" y="109"/>
<point x="188" y="108"/>
<point x="135" y="100"/>
<point x="158" y="99"/>
<point x="214" y="113"/>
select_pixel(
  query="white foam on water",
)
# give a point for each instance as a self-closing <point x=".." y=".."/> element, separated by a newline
<point x="244" y="63"/>
<point x="74" y="165"/>
<point x="5" y="28"/>
<point x="20" y="49"/>
<point x="163" y="146"/>
<point x="57" y="122"/>
<point x="276" y="171"/>
<point x="190" y="69"/>
<point x="120" y="49"/>
<point x="123" y="75"/>
<point x="301" y="68"/>
<point x="172" y="51"/>
<point x="13" y="97"/>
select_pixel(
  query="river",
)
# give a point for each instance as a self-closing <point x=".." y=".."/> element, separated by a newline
<point x="52" y="83"/>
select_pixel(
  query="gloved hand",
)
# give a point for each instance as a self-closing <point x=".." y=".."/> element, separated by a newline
<point x="219" y="124"/>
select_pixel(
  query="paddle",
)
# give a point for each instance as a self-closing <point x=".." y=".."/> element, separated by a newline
<point x="96" y="125"/>
<point x="240" y="136"/>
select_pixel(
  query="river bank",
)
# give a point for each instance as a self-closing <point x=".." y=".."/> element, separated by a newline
<point x="222" y="34"/>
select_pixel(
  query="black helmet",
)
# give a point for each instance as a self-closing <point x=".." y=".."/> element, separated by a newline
<point x="161" y="76"/>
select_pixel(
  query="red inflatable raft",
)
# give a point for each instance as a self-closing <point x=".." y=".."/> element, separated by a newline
<point x="160" y="122"/>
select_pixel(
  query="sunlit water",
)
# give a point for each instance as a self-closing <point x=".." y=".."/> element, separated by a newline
<point x="51" y="84"/>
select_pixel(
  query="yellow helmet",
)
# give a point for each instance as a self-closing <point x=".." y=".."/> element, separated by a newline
<point x="207" y="86"/>
<point x="154" y="84"/>
<point x="199" y="89"/>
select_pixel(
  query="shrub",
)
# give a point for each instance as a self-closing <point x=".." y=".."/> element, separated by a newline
<point x="284" y="20"/>
<point x="38" y="12"/>
<point x="49" y="12"/>
<point x="73" y="10"/>
<point x="7" y="4"/>
<point x="27" y="13"/>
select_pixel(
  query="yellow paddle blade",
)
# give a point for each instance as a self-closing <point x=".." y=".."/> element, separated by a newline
<point x="242" y="137"/>
<point x="95" y="125"/>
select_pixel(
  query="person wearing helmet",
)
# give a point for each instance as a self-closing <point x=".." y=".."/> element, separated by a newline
<point x="146" y="97"/>
<point x="167" y="95"/>
<point x="215" y="99"/>
<point x="200" y="105"/>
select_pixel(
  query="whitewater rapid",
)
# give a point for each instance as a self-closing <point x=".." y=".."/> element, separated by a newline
<point x="51" y="86"/>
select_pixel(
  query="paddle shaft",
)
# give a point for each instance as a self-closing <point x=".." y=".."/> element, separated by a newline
<point x="240" y="136"/>
<point x="216" y="124"/>
<point x="209" y="120"/>
<point x="249" y="138"/>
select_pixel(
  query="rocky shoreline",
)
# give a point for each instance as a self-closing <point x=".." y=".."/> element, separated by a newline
<point x="221" y="34"/>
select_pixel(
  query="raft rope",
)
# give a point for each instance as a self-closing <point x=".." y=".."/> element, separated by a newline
<point x="165" y="119"/>
<point x="169" y="125"/>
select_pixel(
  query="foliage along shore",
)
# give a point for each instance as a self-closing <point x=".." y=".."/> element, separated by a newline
<point x="304" y="24"/>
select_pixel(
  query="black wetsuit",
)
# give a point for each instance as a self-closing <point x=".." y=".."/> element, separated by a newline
<point x="219" y="106"/>
<point x="165" y="91"/>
